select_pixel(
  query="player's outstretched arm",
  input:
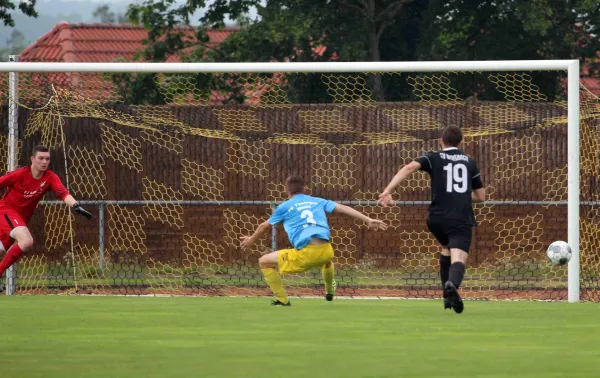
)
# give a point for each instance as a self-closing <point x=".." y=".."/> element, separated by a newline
<point x="61" y="192"/>
<point x="69" y="200"/>
<point x="372" y="223"/>
<point x="478" y="195"/>
<point x="385" y="198"/>
<point x="247" y="241"/>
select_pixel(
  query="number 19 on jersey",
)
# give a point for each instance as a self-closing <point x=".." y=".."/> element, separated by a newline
<point x="456" y="178"/>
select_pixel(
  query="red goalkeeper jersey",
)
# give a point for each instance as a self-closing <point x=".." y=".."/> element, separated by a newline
<point x="24" y="192"/>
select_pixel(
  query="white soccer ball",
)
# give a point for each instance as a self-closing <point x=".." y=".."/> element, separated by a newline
<point x="559" y="253"/>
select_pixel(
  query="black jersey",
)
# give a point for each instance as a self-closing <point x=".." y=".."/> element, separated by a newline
<point x="454" y="175"/>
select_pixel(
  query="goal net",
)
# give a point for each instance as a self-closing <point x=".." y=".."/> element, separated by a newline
<point x="176" y="167"/>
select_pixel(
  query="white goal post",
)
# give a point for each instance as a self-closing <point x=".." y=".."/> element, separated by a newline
<point x="571" y="66"/>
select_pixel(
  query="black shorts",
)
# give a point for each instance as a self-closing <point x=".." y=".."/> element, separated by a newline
<point x="451" y="234"/>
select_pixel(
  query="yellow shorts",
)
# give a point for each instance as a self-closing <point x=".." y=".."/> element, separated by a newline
<point x="307" y="258"/>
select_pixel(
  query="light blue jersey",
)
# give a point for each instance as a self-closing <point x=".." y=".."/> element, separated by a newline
<point x="303" y="218"/>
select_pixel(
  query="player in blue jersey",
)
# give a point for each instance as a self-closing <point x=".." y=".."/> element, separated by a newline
<point x="305" y="221"/>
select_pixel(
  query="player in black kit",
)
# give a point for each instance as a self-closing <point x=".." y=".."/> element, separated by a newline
<point x="455" y="185"/>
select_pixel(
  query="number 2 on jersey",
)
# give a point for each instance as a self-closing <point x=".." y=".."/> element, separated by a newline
<point x="309" y="216"/>
<point x="456" y="178"/>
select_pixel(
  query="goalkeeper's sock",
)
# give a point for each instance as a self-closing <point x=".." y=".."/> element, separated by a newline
<point x="274" y="281"/>
<point x="13" y="254"/>
<point x="457" y="272"/>
<point x="328" y="278"/>
<point x="445" y="262"/>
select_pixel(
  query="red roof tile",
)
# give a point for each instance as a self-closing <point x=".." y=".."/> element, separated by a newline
<point x="97" y="43"/>
<point x="589" y="80"/>
<point x="592" y="84"/>
<point x="76" y="42"/>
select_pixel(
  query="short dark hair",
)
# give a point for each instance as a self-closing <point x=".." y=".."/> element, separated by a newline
<point x="39" y="148"/>
<point x="452" y="136"/>
<point x="294" y="184"/>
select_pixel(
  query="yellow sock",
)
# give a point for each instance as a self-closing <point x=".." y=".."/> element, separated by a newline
<point x="274" y="281"/>
<point x="328" y="278"/>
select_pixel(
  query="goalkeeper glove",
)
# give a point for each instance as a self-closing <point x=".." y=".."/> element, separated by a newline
<point x="77" y="207"/>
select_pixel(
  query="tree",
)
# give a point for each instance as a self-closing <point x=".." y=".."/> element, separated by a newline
<point x="105" y="16"/>
<point x="349" y="29"/>
<point x="509" y="30"/>
<point x="15" y="44"/>
<point x="25" y="6"/>
<point x="389" y="30"/>
<point x="353" y="28"/>
<point x="536" y="29"/>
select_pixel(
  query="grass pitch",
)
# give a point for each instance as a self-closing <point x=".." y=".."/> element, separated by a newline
<point x="54" y="336"/>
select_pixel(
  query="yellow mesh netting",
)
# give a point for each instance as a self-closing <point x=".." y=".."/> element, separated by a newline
<point x="155" y="194"/>
<point x="122" y="148"/>
<point x="189" y="177"/>
<point x="204" y="182"/>
<point x="126" y="229"/>
<point x="87" y="172"/>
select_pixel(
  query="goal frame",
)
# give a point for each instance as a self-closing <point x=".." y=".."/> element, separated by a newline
<point x="569" y="65"/>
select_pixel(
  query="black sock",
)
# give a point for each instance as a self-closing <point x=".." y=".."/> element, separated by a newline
<point x="457" y="272"/>
<point x="444" y="270"/>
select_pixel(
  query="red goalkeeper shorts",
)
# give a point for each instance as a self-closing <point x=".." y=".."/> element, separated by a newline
<point x="9" y="220"/>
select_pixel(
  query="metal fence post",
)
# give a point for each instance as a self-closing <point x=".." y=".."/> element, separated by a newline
<point x="101" y="233"/>
<point x="13" y="134"/>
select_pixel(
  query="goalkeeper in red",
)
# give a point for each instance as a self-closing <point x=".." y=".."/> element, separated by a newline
<point x="25" y="188"/>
